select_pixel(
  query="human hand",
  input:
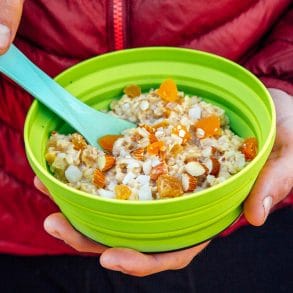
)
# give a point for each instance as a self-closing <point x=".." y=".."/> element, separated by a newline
<point x="125" y="260"/>
<point x="10" y="14"/>
<point x="276" y="178"/>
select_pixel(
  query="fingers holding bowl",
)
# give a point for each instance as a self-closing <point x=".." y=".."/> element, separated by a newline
<point x="138" y="264"/>
<point x="58" y="226"/>
<point x="272" y="186"/>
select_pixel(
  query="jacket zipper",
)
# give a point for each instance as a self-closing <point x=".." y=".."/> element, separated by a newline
<point x="118" y="24"/>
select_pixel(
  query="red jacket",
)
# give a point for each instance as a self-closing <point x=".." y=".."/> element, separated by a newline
<point x="57" y="34"/>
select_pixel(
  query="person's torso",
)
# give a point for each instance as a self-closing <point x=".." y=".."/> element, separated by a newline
<point x="56" y="34"/>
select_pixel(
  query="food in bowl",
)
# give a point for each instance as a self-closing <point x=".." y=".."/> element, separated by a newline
<point x="182" y="144"/>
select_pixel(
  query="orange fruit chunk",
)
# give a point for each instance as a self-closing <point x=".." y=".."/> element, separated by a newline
<point x="249" y="148"/>
<point x="132" y="91"/>
<point x="176" y="149"/>
<point x="122" y="191"/>
<point x="182" y="132"/>
<point x="78" y="141"/>
<point x="211" y="125"/>
<point x="168" y="91"/>
<point x="169" y="186"/>
<point x="156" y="147"/>
<point x="107" y="141"/>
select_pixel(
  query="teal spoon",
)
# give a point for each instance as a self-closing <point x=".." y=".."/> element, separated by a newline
<point x="89" y="122"/>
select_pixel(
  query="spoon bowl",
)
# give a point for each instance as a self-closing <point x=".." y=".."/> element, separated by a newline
<point x="87" y="121"/>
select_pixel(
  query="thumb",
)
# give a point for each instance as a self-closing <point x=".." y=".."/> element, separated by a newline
<point x="273" y="184"/>
<point x="10" y="14"/>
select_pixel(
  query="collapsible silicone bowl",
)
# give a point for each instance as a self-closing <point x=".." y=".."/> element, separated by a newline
<point x="170" y="224"/>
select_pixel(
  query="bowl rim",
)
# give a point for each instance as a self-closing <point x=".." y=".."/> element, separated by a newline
<point x="175" y="200"/>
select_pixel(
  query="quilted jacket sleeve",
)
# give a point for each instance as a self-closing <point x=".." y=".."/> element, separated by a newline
<point x="273" y="61"/>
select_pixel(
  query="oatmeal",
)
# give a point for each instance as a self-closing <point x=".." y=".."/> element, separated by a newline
<point x="181" y="144"/>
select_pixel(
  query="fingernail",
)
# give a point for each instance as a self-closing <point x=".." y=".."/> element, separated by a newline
<point x="4" y="36"/>
<point x="267" y="204"/>
<point x="109" y="262"/>
<point x="50" y="229"/>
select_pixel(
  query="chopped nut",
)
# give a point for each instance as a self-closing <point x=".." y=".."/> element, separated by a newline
<point x="106" y="162"/>
<point x="136" y="137"/>
<point x="195" y="169"/>
<point x="98" y="178"/>
<point x="200" y="133"/>
<point x="158" y="170"/>
<point x="89" y="156"/>
<point x="138" y="154"/>
<point x="182" y="132"/>
<point x="144" y="105"/>
<point x="188" y="182"/>
<point x="213" y="166"/>
<point x="151" y="130"/>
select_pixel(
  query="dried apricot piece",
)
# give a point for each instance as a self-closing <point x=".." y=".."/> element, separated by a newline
<point x="156" y="147"/>
<point x="168" y="91"/>
<point x="182" y="132"/>
<point x="78" y="141"/>
<point x="176" y="149"/>
<point x="152" y="138"/>
<point x="249" y="148"/>
<point x="122" y="191"/>
<point x="169" y="186"/>
<point x="107" y="141"/>
<point x="210" y="125"/>
<point x="132" y="90"/>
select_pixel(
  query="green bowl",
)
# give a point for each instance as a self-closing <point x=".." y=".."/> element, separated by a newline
<point x="170" y="224"/>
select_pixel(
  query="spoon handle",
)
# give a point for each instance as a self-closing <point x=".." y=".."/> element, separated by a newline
<point x="19" y="68"/>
